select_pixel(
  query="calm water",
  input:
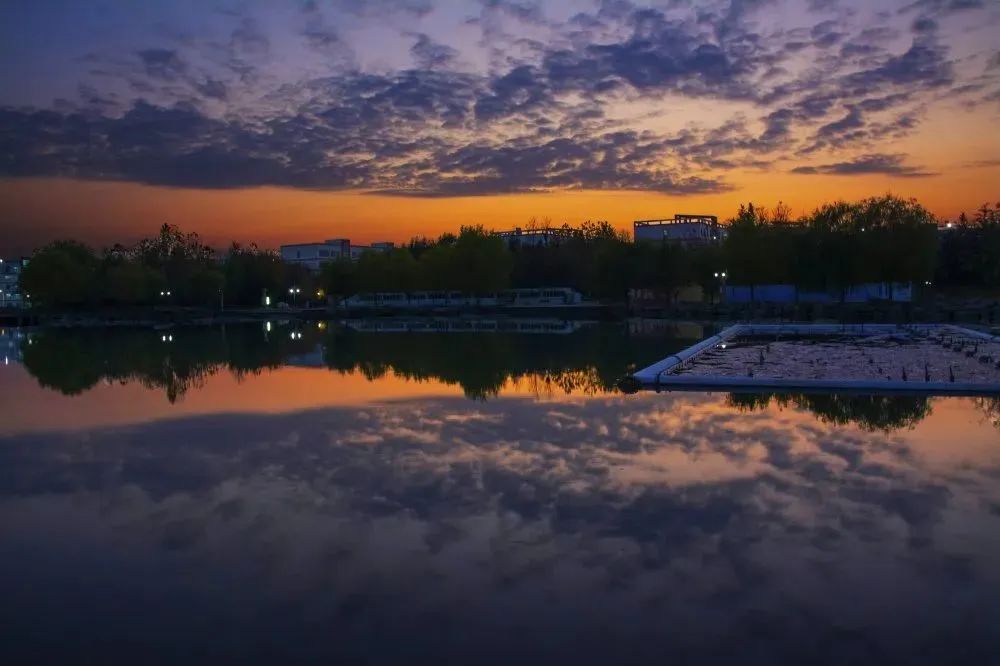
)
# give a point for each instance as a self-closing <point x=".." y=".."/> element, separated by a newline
<point x="330" y="495"/>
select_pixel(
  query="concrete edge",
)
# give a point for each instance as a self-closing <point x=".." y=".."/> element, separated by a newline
<point x="652" y="376"/>
<point x="853" y="386"/>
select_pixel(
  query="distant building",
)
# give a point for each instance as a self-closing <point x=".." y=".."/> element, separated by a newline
<point x="358" y="250"/>
<point x="685" y="229"/>
<point x="518" y="237"/>
<point x="10" y="282"/>
<point x="314" y="255"/>
<point x="11" y="340"/>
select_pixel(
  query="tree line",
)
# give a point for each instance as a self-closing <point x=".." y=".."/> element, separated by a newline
<point x="833" y="248"/>
<point x="171" y="268"/>
<point x="589" y="361"/>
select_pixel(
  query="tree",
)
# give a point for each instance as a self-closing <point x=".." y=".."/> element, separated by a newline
<point x="251" y="272"/>
<point x="339" y="279"/>
<point x="898" y="239"/>
<point x="62" y="273"/>
<point x="126" y="282"/>
<point x="481" y="261"/>
<point x="745" y="248"/>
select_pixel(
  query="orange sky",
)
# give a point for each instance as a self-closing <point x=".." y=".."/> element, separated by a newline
<point x="35" y="211"/>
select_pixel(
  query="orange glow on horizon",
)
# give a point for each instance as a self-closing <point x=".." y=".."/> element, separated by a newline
<point x="36" y="211"/>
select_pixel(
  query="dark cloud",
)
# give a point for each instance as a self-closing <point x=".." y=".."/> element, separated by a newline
<point x="163" y="64"/>
<point x="333" y="149"/>
<point x="416" y="8"/>
<point x="519" y="90"/>
<point x="539" y="119"/>
<point x="849" y="122"/>
<point x="660" y="55"/>
<point x="924" y="24"/>
<point x="249" y="39"/>
<point x="942" y="7"/>
<point x="429" y="54"/>
<point x="826" y="34"/>
<point x="891" y="165"/>
<point x="923" y="65"/>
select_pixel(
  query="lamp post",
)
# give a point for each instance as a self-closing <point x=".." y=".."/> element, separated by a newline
<point x="721" y="276"/>
<point x="294" y="291"/>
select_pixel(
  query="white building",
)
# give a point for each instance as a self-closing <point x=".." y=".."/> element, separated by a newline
<point x="686" y="229"/>
<point x="314" y="255"/>
<point x="518" y="237"/>
<point x="10" y="277"/>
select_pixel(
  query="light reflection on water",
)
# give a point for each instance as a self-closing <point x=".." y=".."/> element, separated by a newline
<point x="416" y="523"/>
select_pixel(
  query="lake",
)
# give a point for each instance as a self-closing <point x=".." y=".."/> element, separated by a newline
<point x="451" y="492"/>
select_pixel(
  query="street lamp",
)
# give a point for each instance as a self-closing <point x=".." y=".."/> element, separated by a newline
<point x="294" y="291"/>
<point x="721" y="276"/>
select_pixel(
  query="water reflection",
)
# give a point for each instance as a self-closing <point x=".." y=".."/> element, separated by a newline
<point x="553" y="359"/>
<point x="608" y="530"/>
<point x="586" y="359"/>
<point x="871" y="412"/>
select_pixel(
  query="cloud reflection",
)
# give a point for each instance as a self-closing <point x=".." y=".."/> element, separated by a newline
<point x="522" y="524"/>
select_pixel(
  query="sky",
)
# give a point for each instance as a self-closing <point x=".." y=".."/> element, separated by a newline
<point x="303" y="120"/>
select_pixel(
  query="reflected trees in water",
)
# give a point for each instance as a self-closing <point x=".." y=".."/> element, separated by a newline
<point x="588" y="361"/>
<point x="870" y="412"/>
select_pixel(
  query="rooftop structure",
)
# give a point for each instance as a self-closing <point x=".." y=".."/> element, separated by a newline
<point x="682" y="228"/>
<point x="314" y="255"/>
<point x="518" y="237"/>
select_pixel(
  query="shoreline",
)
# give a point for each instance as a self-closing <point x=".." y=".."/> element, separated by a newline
<point x="981" y="312"/>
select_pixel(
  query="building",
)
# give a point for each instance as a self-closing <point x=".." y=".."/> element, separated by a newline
<point x="685" y="229"/>
<point x="314" y="255"/>
<point x="518" y="237"/>
<point x="11" y="341"/>
<point x="511" y="298"/>
<point x="358" y="250"/>
<point x="10" y="279"/>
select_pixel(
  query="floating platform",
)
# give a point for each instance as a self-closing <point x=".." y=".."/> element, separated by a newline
<point x="939" y="359"/>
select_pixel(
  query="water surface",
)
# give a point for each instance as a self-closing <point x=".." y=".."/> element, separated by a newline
<point x="323" y="494"/>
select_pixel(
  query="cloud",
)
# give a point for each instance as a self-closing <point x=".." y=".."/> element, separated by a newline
<point x="429" y="54"/>
<point x="162" y="64"/>
<point x="576" y="102"/>
<point x="891" y="165"/>
<point x="924" y="64"/>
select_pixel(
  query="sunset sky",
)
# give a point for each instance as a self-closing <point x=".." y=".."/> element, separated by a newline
<point x="296" y="121"/>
